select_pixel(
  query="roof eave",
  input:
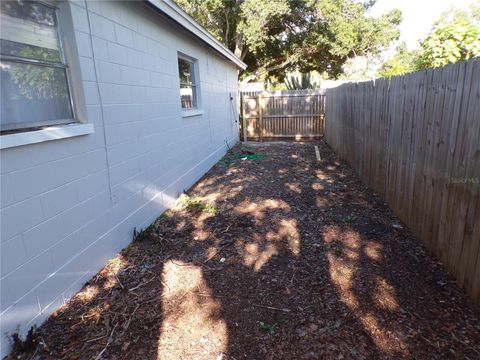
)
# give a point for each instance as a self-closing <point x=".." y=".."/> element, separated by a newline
<point x="174" y="12"/>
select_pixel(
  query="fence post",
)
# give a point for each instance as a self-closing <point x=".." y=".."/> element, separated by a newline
<point x="260" y="116"/>
<point x="244" y="120"/>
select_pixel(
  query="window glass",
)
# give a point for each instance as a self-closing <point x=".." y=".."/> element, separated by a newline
<point x="188" y="86"/>
<point x="188" y="96"/>
<point x="29" y="30"/>
<point x="34" y="83"/>
<point x="32" y="94"/>
<point x="186" y="71"/>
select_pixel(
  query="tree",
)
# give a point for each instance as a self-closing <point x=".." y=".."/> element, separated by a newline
<point x="301" y="82"/>
<point x="275" y="36"/>
<point x="360" y="68"/>
<point x="403" y="62"/>
<point x="454" y="37"/>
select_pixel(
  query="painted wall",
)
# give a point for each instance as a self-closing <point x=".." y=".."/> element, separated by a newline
<point x="69" y="205"/>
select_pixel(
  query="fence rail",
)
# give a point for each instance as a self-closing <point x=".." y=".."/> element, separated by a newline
<point x="282" y="114"/>
<point x="415" y="139"/>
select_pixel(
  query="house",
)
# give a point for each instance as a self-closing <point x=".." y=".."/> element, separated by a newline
<point x="109" y="110"/>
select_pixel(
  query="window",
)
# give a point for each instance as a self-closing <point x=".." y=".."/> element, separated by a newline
<point x="188" y="83"/>
<point x="34" y="84"/>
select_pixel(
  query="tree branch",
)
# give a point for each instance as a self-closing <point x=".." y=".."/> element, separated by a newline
<point x="227" y="28"/>
<point x="265" y="70"/>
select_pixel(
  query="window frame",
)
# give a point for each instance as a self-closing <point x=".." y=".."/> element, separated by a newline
<point x="62" y="64"/>
<point x="195" y="85"/>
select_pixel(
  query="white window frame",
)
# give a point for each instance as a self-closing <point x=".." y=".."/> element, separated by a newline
<point x="196" y="109"/>
<point x="62" y="64"/>
<point x="70" y="127"/>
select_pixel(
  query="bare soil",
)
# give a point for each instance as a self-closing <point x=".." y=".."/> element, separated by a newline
<point x="276" y="256"/>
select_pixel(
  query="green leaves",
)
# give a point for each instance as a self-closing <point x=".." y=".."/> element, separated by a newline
<point x="454" y="37"/>
<point x="403" y="62"/>
<point x="258" y="18"/>
<point x="275" y="36"/>
<point x="266" y="327"/>
<point x="303" y="82"/>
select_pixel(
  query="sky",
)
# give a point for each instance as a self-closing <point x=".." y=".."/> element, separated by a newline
<point x="418" y="15"/>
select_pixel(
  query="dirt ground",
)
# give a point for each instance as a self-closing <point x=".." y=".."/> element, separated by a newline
<point x="276" y="256"/>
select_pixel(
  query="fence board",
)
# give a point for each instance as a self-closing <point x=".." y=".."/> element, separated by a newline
<point x="415" y="139"/>
<point x="282" y="114"/>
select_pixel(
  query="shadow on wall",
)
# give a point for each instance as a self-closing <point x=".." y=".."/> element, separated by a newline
<point x="278" y="258"/>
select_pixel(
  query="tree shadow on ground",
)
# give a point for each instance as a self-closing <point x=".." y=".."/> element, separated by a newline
<point x="286" y="257"/>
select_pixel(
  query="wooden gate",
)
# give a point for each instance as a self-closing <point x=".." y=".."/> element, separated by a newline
<point x="286" y="114"/>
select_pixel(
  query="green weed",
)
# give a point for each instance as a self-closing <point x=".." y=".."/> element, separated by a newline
<point x="338" y="251"/>
<point x="196" y="204"/>
<point x="350" y="219"/>
<point x="266" y="327"/>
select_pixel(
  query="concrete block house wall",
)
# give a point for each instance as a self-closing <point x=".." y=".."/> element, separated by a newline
<point x="69" y="204"/>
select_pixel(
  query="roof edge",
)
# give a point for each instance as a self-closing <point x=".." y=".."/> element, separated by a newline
<point x="173" y="11"/>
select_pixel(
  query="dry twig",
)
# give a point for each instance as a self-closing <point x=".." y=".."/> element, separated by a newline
<point x="141" y="284"/>
<point x="130" y="318"/>
<point x="272" y="308"/>
<point x="110" y="338"/>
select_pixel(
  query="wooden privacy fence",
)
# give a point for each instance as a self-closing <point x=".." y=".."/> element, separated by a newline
<point x="415" y="139"/>
<point x="296" y="114"/>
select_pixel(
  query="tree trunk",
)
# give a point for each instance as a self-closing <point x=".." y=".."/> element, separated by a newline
<point x="227" y="29"/>
<point x="239" y="47"/>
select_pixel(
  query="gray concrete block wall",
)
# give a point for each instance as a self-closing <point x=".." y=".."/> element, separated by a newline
<point x="69" y="205"/>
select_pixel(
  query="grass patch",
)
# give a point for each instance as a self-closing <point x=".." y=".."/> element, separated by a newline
<point x="196" y="204"/>
<point x="211" y="209"/>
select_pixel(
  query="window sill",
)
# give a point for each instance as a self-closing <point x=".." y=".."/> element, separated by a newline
<point x="46" y="134"/>
<point x="190" y="113"/>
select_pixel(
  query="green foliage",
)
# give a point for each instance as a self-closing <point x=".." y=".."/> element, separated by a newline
<point x="196" y="204"/>
<point x="193" y="204"/>
<point x="360" y="68"/>
<point x="266" y="327"/>
<point x="258" y="18"/>
<point x="403" y="62"/>
<point x="303" y="82"/>
<point x="270" y="327"/>
<point x="454" y="37"/>
<point x="275" y="36"/>
<point x="37" y="82"/>
<point x="338" y="251"/>
<point x="211" y="209"/>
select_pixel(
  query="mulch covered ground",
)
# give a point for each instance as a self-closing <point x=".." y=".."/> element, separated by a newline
<point x="272" y="255"/>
